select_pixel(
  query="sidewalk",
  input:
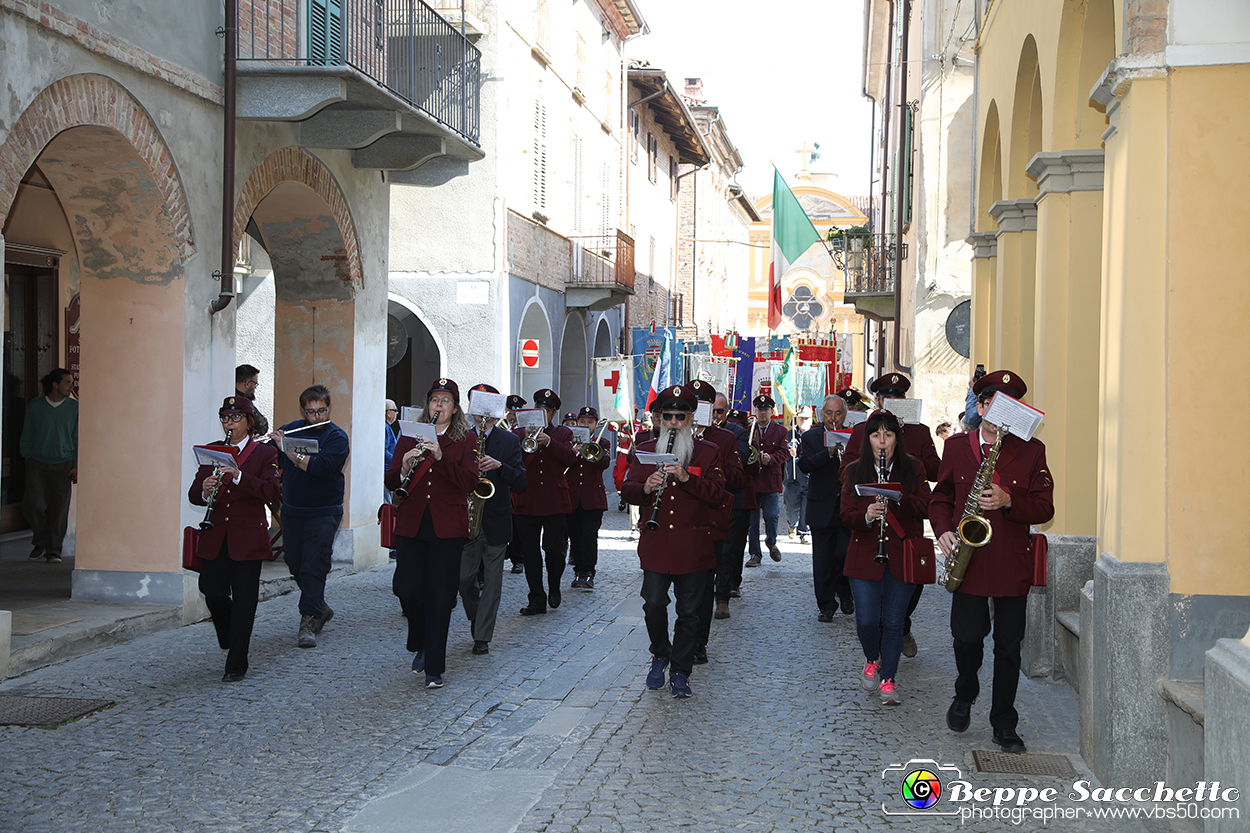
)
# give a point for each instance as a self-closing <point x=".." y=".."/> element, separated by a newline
<point x="552" y="731"/>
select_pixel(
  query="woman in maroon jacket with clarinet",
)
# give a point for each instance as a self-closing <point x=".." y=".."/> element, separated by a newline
<point x="432" y="525"/>
<point x="881" y="595"/>
<point x="236" y="544"/>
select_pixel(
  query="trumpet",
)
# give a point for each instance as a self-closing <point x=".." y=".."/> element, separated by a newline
<point x="881" y="557"/>
<point x="530" y="444"/>
<point x="207" y="523"/>
<point x="591" y="451"/>
<point x="753" y="456"/>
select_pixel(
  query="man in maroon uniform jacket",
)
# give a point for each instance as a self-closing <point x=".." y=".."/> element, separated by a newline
<point x="589" y="498"/>
<point x="538" y="513"/>
<point x="683" y="499"/>
<point x="1021" y="493"/>
<point x="774" y="448"/>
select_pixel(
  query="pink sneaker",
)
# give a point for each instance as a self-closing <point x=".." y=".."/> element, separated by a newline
<point x="889" y="693"/>
<point x="869" y="680"/>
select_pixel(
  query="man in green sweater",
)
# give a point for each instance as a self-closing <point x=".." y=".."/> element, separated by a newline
<point x="50" y="446"/>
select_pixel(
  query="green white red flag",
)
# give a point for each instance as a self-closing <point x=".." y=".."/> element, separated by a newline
<point x="793" y="234"/>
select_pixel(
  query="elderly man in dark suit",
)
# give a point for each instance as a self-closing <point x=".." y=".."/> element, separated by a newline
<point x="830" y="537"/>
<point x="483" y="557"/>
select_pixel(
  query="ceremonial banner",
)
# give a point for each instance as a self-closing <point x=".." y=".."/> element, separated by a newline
<point x="713" y="370"/>
<point x="648" y="347"/>
<point x="744" y="374"/>
<point x="783" y="377"/>
<point x="810" y="386"/>
<point x="615" y="386"/>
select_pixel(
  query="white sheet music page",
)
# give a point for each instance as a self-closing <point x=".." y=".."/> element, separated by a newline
<point x="485" y="403"/>
<point x="531" y="418"/>
<point x="854" y="418"/>
<point x="907" y="410"/>
<point x="1020" y="419"/>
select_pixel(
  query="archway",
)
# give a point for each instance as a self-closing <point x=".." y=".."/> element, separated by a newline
<point x="604" y="348"/>
<point x="415" y="357"/>
<point x="534" y="325"/>
<point x="574" y="385"/>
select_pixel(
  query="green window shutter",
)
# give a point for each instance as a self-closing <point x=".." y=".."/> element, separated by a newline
<point x="325" y="32"/>
<point x="905" y="168"/>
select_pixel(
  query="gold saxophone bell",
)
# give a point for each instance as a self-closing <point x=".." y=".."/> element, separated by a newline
<point x="753" y="455"/>
<point x="975" y="530"/>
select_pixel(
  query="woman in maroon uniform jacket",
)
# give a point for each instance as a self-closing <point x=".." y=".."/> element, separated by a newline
<point x="432" y="525"/>
<point x="881" y="595"/>
<point x="234" y="549"/>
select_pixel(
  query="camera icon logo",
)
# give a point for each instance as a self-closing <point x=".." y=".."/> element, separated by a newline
<point x="916" y="787"/>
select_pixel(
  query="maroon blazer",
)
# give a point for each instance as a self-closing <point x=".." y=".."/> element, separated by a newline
<point x="239" y="510"/>
<point x="905" y="519"/>
<point x="683" y="543"/>
<point x="586" y="489"/>
<point x="918" y="439"/>
<point x="547" y="492"/>
<point x="444" y="487"/>
<point x="1004" y="566"/>
<point x="735" y="477"/>
<point x="776" y="444"/>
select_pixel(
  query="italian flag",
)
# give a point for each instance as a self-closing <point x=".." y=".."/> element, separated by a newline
<point x="793" y="234"/>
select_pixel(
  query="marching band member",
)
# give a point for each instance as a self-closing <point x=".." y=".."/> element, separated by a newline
<point x="539" y="512"/>
<point x="830" y="537"/>
<point x="1021" y="493"/>
<point x="483" y="556"/>
<point x="773" y="451"/>
<point x="682" y="500"/>
<point x="236" y="546"/>
<point x="729" y="586"/>
<point x="589" y="499"/>
<point x="432" y="525"/>
<point x="881" y="595"/>
<point x="513" y="404"/>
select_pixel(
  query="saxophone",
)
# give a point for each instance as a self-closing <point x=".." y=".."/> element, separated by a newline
<point x="482" y="492"/>
<point x="974" y="529"/>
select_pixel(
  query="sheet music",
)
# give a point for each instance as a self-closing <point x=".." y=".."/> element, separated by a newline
<point x="907" y="410"/>
<point x="839" y="437"/>
<point x="703" y="414"/>
<point x="410" y="414"/>
<point x="308" y="445"/>
<point x="484" y="403"/>
<point x="889" y="491"/>
<point x="581" y="434"/>
<point x="214" y="457"/>
<point x="854" y="418"/>
<point x="1020" y="419"/>
<point x="652" y="458"/>
<point x="531" y="418"/>
<point x="420" y="431"/>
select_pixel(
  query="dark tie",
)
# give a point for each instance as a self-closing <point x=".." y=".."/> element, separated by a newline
<point x="985" y="449"/>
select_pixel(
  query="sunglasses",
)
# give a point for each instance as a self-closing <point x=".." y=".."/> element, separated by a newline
<point x="674" y="416"/>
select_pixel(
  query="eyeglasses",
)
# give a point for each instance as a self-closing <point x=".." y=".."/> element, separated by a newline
<point x="317" y="413"/>
<point x="442" y="400"/>
<point x="678" y="416"/>
<point x="392" y="410"/>
<point x="231" y="417"/>
<point x="719" y="410"/>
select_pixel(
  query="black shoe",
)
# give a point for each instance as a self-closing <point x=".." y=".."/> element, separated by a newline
<point x="530" y="610"/>
<point x="958" y="715"/>
<point x="848" y="606"/>
<point x="553" y="598"/>
<point x="326" y="615"/>
<point x="577" y="582"/>
<point x="735" y="593"/>
<point x="774" y="553"/>
<point x="700" y="656"/>
<point x="37" y="553"/>
<point x="518" y="568"/>
<point x="230" y="677"/>
<point x="825" y="615"/>
<point x="1009" y="741"/>
<point x="588" y="581"/>
<point x="480" y="647"/>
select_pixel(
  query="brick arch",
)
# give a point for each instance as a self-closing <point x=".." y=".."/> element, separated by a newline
<point x="81" y="100"/>
<point x="292" y="164"/>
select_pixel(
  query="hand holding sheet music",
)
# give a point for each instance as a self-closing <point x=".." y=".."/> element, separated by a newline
<point x="889" y="491"/>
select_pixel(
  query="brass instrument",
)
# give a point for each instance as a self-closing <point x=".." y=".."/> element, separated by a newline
<point x="207" y="523"/>
<point x="592" y="452"/>
<point x="484" y="490"/>
<point x="654" y="521"/>
<point x="974" y="529"/>
<point x="753" y="455"/>
<point x="881" y="557"/>
<point x="530" y="444"/>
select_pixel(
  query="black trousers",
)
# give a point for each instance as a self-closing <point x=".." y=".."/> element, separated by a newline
<point x="970" y="624"/>
<point x="729" y="566"/>
<point x="688" y="589"/>
<point x="539" y="538"/>
<point x="829" y="546"/>
<point x="232" y="589"/>
<point x="583" y="528"/>
<point x="911" y="607"/>
<point x="711" y="591"/>
<point x="427" y="574"/>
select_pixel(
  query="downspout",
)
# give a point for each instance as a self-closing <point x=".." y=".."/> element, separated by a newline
<point x="905" y="19"/>
<point x="885" y="172"/>
<point x="976" y="115"/>
<point x="226" y="292"/>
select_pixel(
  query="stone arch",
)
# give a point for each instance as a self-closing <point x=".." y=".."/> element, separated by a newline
<point x="292" y="164"/>
<point x="573" y="362"/>
<point x="1026" y="123"/>
<point x="1087" y="43"/>
<point x="536" y="324"/>
<point x="990" y="175"/>
<point x="94" y="100"/>
<point x="604" y="348"/>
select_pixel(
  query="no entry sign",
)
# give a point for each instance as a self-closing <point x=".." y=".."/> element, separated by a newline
<point x="529" y="353"/>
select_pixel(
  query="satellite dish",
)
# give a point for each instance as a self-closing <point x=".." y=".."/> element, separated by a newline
<point x="959" y="329"/>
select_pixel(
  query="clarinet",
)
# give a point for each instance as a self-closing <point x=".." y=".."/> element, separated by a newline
<point x="207" y="523"/>
<point x="402" y="491"/>
<point x="653" y="522"/>
<point x="881" y="557"/>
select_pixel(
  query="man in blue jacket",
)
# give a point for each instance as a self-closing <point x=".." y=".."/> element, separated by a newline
<point x="312" y="507"/>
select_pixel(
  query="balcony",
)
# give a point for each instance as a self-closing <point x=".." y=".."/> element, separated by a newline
<point x="391" y="80"/>
<point x="601" y="272"/>
<point x="867" y="262"/>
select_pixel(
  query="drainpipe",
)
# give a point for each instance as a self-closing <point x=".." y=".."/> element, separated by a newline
<point x="226" y="293"/>
<point x="905" y="19"/>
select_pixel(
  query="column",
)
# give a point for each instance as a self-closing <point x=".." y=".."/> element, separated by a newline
<point x="984" y="251"/>
<point x="1014" y="284"/>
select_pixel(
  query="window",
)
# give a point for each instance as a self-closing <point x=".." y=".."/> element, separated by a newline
<point x="904" y="167"/>
<point x="651" y="161"/>
<point x="636" y="136"/>
<point x="579" y="193"/>
<point x="325" y="32"/>
<point x="672" y="178"/>
<point x="540" y="156"/>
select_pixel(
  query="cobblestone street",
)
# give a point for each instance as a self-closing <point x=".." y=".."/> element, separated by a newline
<point x="552" y="731"/>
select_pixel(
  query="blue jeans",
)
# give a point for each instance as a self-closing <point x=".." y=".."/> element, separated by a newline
<point x="770" y="506"/>
<point x="307" y="546"/>
<point x="880" y="607"/>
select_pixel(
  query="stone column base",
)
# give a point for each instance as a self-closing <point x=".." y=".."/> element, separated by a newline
<point x="1070" y="563"/>
<point x="1226" y="750"/>
<point x="360" y="546"/>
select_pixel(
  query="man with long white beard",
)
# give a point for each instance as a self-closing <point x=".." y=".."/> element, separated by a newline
<point x="678" y="503"/>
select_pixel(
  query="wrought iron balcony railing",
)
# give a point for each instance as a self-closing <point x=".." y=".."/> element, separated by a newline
<point x="404" y="46"/>
<point x="867" y="261"/>
<point x="602" y="261"/>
